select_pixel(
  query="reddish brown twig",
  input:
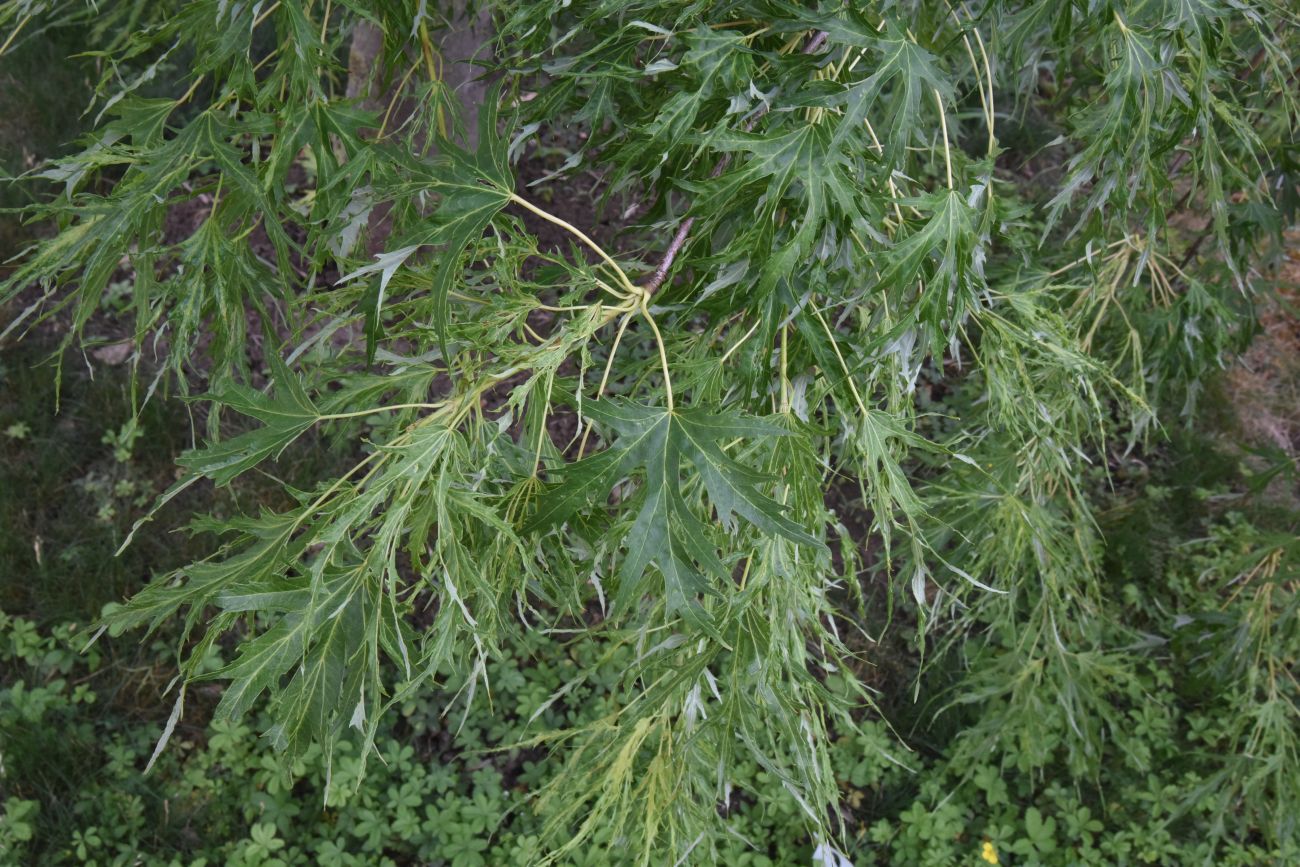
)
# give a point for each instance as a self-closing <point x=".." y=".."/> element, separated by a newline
<point x="818" y="39"/>
<point x="674" y="247"/>
<point x="684" y="230"/>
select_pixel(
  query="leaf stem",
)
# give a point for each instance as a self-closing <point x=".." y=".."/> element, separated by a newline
<point x="785" y="377"/>
<point x="986" y="99"/>
<point x="848" y="377"/>
<point x="663" y="353"/>
<point x="1059" y="271"/>
<point x="257" y="22"/>
<point x="397" y="94"/>
<point x="14" y="35"/>
<point x="604" y="378"/>
<point x="943" y="121"/>
<point x="185" y="97"/>
<point x="741" y="342"/>
<point x="338" y="483"/>
<point x="390" y="408"/>
<point x="622" y="296"/>
<point x="988" y="80"/>
<point x="541" y="425"/>
<point x="582" y="236"/>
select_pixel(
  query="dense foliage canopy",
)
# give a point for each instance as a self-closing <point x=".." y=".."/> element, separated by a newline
<point x="888" y="288"/>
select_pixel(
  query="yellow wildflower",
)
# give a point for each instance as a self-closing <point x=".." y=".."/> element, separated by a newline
<point x="989" y="854"/>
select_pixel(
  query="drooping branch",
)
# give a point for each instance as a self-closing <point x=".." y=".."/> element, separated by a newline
<point x="683" y="233"/>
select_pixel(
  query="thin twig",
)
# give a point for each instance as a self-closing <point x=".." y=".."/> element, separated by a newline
<point x="674" y="247"/>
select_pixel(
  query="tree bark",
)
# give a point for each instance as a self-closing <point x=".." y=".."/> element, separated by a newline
<point x="363" y="59"/>
<point x="464" y="38"/>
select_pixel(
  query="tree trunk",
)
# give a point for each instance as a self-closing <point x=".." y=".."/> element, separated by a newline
<point x="363" y="56"/>
<point x="467" y="37"/>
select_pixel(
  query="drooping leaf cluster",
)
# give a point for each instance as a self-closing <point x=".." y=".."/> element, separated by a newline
<point x="1053" y="212"/>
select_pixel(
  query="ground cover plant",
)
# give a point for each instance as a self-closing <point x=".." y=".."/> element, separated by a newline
<point x="798" y="469"/>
